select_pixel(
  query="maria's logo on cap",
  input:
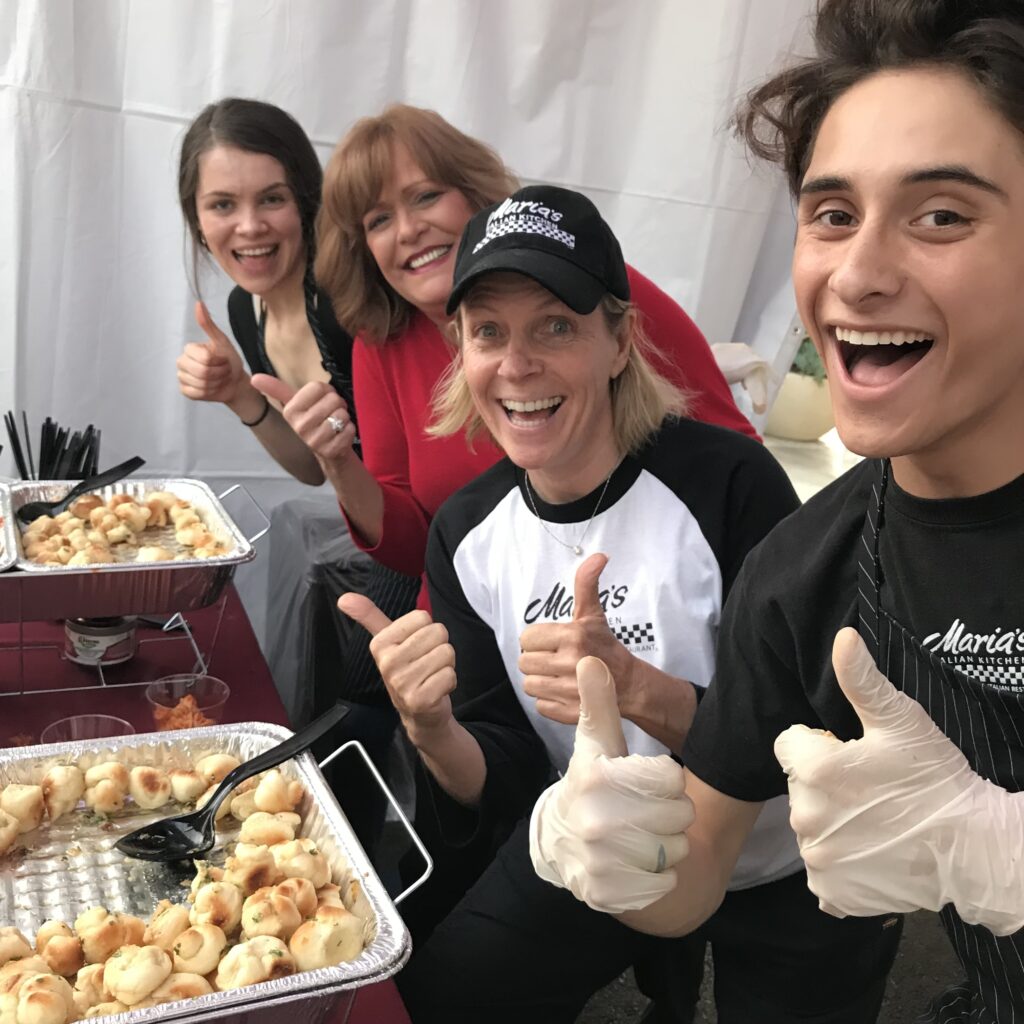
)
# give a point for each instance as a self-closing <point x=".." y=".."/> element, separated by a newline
<point x="522" y="217"/>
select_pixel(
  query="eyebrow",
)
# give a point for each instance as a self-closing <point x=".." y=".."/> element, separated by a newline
<point x="231" y="195"/>
<point x="943" y="172"/>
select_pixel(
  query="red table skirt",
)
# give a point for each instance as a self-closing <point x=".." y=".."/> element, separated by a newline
<point x="38" y="686"/>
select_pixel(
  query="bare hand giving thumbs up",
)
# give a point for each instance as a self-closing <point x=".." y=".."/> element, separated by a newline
<point x="551" y="650"/>
<point x="897" y="820"/>
<point x="212" y="371"/>
<point x="415" y="661"/>
<point x="613" y="827"/>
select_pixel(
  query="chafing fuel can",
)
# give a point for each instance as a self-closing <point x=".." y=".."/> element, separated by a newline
<point x="107" y="641"/>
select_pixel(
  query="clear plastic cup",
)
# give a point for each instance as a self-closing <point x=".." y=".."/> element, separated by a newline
<point x="86" y="727"/>
<point x="186" y="701"/>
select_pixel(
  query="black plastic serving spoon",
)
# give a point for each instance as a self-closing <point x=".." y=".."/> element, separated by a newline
<point x="190" y="835"/>
<point x="32" y="510"/>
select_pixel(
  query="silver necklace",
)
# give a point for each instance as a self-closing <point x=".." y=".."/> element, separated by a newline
<point x="577" y="548"/>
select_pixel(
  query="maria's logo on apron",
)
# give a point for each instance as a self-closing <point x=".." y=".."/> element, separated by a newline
<point x="995" y="657"/>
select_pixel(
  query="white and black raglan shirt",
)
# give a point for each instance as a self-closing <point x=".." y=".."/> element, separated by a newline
<point x="676" y="522"/>
<point x="951" y="576"/>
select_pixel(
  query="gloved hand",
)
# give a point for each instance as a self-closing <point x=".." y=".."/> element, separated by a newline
<point x="740" y="364"/>
<point x="898" y="821"/>
<point x="612" y="828"/>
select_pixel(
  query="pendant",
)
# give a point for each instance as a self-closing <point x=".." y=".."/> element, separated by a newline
<point x="577" y="550"/>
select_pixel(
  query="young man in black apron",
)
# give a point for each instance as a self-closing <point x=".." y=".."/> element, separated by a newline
<point x="904" y="144"/>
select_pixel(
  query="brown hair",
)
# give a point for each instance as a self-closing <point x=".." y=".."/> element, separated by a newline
<point x="357" y="172"/>
<point x="982" y="39"/>
<point x="641" y="397"/>
<point x="256" y="127"/>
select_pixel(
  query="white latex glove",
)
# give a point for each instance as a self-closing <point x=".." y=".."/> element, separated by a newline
<point x="740" y="364"/>
<point x="898" y="821"/>
<point x="612" y="828"/>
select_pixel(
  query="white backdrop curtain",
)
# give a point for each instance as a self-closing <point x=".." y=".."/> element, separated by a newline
<point x="624" y="99"/>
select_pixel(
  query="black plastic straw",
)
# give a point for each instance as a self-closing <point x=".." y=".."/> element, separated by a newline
<point x="28" y="446"/>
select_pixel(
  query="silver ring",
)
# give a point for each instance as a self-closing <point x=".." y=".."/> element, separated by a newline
<point x="336" y="423"/>
<point x="661" y="859"/>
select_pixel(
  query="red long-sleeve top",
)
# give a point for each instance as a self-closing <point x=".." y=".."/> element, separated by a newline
<point x="394" y="383"/>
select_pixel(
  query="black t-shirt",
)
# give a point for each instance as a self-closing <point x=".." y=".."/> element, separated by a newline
<point x="338" y="343"/>
<point x="949" y="576"/>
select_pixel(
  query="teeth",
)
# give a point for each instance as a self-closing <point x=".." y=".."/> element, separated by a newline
<point x="880" y="337"/>
<point x="421" y="261"/>
<point x="542" y="403"/>
<point x="266" y="250"/>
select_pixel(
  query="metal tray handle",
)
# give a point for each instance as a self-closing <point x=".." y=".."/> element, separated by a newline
<point x="263" y="515"/>
<point x="428" y="860"/>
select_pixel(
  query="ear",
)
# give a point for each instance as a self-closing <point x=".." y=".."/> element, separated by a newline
<point x="624" y="342"/>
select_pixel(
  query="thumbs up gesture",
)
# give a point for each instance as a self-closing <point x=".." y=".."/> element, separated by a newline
<point x="212" y="370"/>
<point x="897" y="820"/>
<point x="613" y="827"/>
<point x="316" y="412"/>
<point x="415" y="661"/>
<point x="552" y="650"/>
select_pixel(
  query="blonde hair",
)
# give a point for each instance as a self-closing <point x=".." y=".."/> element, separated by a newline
<point x="358" y="170"/>
<point x="641" y="397"/>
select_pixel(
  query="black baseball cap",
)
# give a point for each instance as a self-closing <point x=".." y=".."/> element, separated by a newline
<point x="554" y="236"/>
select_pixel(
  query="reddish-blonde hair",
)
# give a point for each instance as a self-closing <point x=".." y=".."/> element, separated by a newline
<point x="357" y="172"/>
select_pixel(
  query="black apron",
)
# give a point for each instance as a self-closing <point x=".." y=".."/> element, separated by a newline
<point x="987" y="724"/>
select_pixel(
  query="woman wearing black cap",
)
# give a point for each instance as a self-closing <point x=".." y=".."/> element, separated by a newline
<point x="611" y="528"/>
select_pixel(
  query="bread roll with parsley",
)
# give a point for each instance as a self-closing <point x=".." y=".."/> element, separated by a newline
<point x="199" y="949"/>
<point x="260" y="959"/>
<point x="276" y="793"/>
<point x="252" y="868"/>
<point x="218" y="903"/>
<point x="45" y="999"/>
<point x="265" y="829"/>
<point x="13" y="945"/>
<point x="269" y="912"/>
<point x="132" y="972"/>
<point x="14" y="972"/>
<point x="301" y="892"/>
<point x="333" y="936"/>
<point x="60" y="947"/>
<point x="101" y="933"/>
<point x="301" y="858"/>
<point x="169" y="920"/>
<point x="89" y="989"/>
<point x="180" y="986"/>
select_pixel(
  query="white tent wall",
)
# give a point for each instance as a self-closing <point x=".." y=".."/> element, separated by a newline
<point x="626" y="100"/>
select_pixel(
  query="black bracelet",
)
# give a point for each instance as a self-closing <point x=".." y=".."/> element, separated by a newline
<point x="262" y="416"/>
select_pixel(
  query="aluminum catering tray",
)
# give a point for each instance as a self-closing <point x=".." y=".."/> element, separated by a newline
<point x="63" y="869"/>
<point x="123" y="588"/>
<point x="8" y="541"/>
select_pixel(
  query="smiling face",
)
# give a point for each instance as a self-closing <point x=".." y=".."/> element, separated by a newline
<point x="413" y="232"/>
<point x="540" y="377"/>
<point x="249" y="218"/>
<point x="908" y="272"/>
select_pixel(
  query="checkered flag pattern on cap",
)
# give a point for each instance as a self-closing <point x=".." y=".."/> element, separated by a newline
<point x="526" y="225"/>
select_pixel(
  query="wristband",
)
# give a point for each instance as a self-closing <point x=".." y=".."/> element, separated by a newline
<point x="262" y="416"/>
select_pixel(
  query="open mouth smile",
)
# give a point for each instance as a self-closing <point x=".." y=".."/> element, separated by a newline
<point x="877" y="358"/>
<point x="531" y="413"/>
<point x="426" y="257"/>
<point x="256" y="252"/>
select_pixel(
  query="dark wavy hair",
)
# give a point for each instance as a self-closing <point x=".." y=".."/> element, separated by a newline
<point x="256" y="127"/>
<point x="982" y="39"/>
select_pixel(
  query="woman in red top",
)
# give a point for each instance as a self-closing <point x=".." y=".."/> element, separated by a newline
<point x="398" y="191"/>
